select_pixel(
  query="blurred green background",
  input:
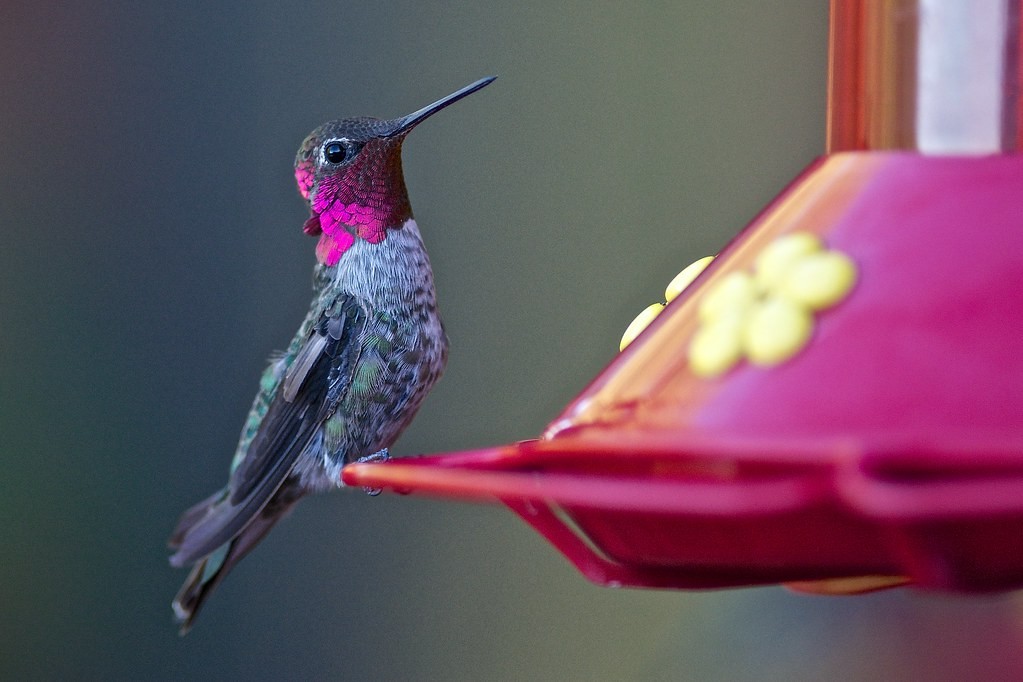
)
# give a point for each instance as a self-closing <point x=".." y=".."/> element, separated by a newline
<point x="151" y="256"/>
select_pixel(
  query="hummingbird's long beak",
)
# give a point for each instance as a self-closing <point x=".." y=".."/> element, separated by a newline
<point x="407" y="123"/>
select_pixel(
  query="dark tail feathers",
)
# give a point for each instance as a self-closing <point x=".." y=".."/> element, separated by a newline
<point x="207" y="573"/>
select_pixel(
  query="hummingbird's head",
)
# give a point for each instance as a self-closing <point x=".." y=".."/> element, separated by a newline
<point x="350" y="173"/>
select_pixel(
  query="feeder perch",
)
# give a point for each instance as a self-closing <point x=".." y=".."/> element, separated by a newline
<point x="880" y="442"/>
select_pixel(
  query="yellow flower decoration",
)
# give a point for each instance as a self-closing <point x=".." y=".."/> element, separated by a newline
<point x="675" y="288"/>
<point x="766" y="316"/>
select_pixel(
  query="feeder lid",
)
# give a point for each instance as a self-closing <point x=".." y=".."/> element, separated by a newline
<point x="879" y="434"/>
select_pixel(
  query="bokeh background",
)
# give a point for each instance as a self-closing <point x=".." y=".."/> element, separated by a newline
<point x="151" y="256"/>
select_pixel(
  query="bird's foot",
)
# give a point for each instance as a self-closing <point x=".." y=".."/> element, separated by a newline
<point x="378" y="456"/>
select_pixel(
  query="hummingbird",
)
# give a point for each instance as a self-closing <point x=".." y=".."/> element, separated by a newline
<point x="368" y="351"/>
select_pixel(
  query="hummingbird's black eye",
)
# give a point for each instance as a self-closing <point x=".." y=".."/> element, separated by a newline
<point x="335" y="152"/>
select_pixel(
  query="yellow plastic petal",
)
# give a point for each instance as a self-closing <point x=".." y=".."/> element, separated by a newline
<point x="819" y="280"/>
<point x="685" y="278"/>
<point x="733" y="294"/>
<point x="716" y="346"/>
<point x="778" y="257"/>
<point x="640" y="323"/>
<point x="776" y="330"/>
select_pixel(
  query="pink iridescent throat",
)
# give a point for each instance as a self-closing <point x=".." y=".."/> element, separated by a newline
<point x="361" y="201"/>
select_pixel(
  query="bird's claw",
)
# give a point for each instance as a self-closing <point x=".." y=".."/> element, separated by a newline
<point x="376" y="457"/>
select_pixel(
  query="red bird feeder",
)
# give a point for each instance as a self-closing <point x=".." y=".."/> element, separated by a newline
<point x="841" y="441"/>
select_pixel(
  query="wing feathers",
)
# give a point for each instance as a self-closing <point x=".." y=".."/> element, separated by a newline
<point x="314" y="383"/>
